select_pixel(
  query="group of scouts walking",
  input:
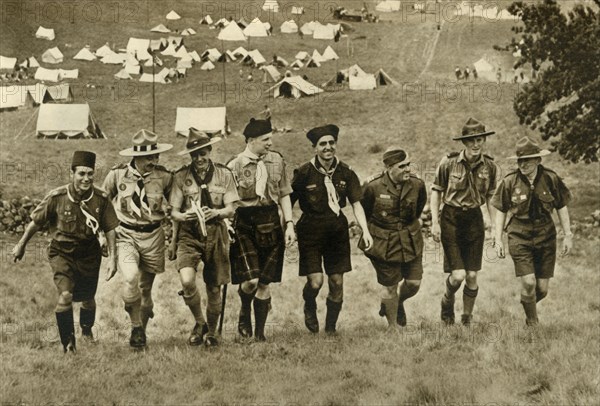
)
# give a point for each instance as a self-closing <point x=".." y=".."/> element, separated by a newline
<point x="237" y="220"/>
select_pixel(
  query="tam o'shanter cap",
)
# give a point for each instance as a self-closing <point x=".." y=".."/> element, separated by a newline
<point x="394" y="156"/>
<point x="316" y="133"/>
<point x="83" y="158"/>
<point x="473" y="128"/>
<point x="145" y="143"/>
<point x="527" y="148"/>
<point x="198" y="140"/>
<point x="256" y="128"/>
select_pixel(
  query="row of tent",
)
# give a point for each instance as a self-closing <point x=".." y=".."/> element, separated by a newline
<point x="464" y="8"/>
<point x="358" y="79"/>
<point x="15" y="97"/>
<point x="232" y="31"/>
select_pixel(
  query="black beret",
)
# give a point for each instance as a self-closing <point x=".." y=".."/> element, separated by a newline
<point x="83" y="158"/>
<point x="256" y="128"/>
<point x="318" y="132"/>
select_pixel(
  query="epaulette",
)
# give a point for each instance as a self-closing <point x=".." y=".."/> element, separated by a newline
<point x="122" y="165"/>
<point x="453" y="154"/>
<point x="101" y="192"/>
<point x="222" y="166"/>
<point x="344" y="165"/>
<point x="161" y="168"/>
<point x="277" y="152"/>
<point x="488" y="157"/>
<point x="61" y="190"/>
<point x="230" y="159"/>
<point x="183" y="168"/>
<point x="374" y="177"/>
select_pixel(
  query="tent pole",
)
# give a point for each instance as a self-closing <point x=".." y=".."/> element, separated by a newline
<point x="153" y="97"/>
<point x="224" y="82"/>
<point x="35" y="111"/>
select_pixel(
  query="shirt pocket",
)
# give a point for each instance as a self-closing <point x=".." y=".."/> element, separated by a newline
<point x="67" y="223"/>
<point x="482" y="181"/>
<point x="547" y="200"/>
<point x="457" y="180"/>
<point x="519" y="203"/>
<point x="216" y="195"/>
<point x="247" y="189"/>
<point x="385" y="207"/>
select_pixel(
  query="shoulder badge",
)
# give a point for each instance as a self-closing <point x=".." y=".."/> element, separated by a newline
<point x="374" y="177"/>
<point x="488" y="157"/>
<point x="61" y="190"/>
<point x="453" y="154"/>
<point x="121" y="165"/>
<point x="183" y="168"/>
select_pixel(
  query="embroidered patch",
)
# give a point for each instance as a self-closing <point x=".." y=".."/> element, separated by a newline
<point x="523" y="197"/>
<point x="122" y="186"/>
<point x="385" y="196"/>
<point x="311" y="187"/>
<point x="384" y="213"/>
<point x="247" y="173"/>
<point x="97" y="209"/>
<point x="188" y="182"/>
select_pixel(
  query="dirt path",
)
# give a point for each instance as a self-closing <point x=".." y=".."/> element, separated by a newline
<point x="430" y="48"/>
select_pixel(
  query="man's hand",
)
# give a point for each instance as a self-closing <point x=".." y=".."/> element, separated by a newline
<point x="103" y="244"/>
<point x="367" y="239"/>
<point x="435" y="232"/>
<point x="290" y="234"/>
<point x="18" y="251"/>
<point x="499" y="245"/>
<point x="111" y="270"/>
<point x="172" y="251"/>
<point x="567" y="245"/>
<point x="210" y="214"/>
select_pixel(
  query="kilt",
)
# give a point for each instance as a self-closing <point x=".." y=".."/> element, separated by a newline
<point x="76" y="267"/>
<point x="259" y="247"/>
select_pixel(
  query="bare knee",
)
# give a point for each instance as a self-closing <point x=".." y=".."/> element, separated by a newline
<point x="412" y="285"/>
<point x="471" y="280"/>
<point x="389" y="292"/>
<point x="65" y="299"/>
<point x="528" y="284"/>
<point x="458" y="276"/>
<point x="250" y="286"/>
<point x="315" y="281"/>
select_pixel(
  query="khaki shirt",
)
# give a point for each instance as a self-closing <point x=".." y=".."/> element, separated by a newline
<point x="464" y="185"/>
<point x="120" y="184"/>
<point x="65" y="218"/>
<point x="222" y="187"/>
<point x="244" y="170"/>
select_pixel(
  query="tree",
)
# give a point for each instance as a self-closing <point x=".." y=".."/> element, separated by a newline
<point x="563" y="102"/>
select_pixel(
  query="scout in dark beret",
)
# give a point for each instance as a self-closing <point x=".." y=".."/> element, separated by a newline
<point x="323" y="186"/>
<point x="393" y="201"/>
<point x="258" y="251"/>
<point x="527" y="197"/>
<point x="464" y="182"/>
<point x="75" y="214"/>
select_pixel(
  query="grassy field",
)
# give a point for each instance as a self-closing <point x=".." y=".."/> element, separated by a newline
<point x="494" y="362"/>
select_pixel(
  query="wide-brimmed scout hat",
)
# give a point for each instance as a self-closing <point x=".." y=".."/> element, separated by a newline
<point x="473" y="128"/>
<point x="527" y="148"/>
<point x="198" y="140"/>
<point x="395" y="156"/>
<point x="145" y="143"/>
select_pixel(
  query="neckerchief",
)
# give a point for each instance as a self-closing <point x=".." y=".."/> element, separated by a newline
<point x="90" y="220"/>
<point x="261" y="176"/>
<point x="205" y="199"/>
<point x="139" y="197"/>
<point x="332" y="196"/>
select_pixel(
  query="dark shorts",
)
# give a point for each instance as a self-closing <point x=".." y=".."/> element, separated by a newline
<point x="212" y="250"/>
<point x="390" y="273"/>
<point x="323" y="241"/>
<point x="462" y="235"/>
<point x="532" y="246"/>
<point x="76" y="267"/>
<point x="259" y="245"/>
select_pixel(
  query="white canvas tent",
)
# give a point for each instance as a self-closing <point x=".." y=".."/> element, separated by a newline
<point x="308" y="28"/>
<point x="37" y="92"/>
<point x="302" y="55"/>
<point x="173" y="15"/>
<point x="171" y="50"/>
<point x="486" y="70"/>
<point x="68" y="73"/>
<point x="15" y="97"/>
<point x="326" y="32"/>
<point x="181" y="52"/>
<point x="85" y="54"/>
<point x="103" y="51"/>
<point x="207" y="20"/>
<point x="66" y="121"/>
<point x="158" y="78"/>
<point x="240" y="52"/>
<point x="271" y="5"/>
<point x="47" y="75"/>
<point x="232" y="32"/>
<point x="194" y="55"/>
<point x="45" y="33"/>
<point x="329" y="54"/>
<point x="122" y="75"/>
<point x="363" y="82"/>
<point x="52" y="56"/>
<point x="160" y="28"/>
<point x="383" y="79"/>
<point x="211" y="54"/>
<point x="311" y="63"/>
<point x="208" y="65"/>
<point x="132" y="69"/>
<point x="254" y="58"/>
<point x="289" y="27"/>
<point x="294" y="86"/>
<point x="270" y="74"/>
<point x="114" y="59"/>
<point x="256" y="29"/>
<point x="211" y="120"/>
<point x="188" y="31"/>
<point x="139" y="47"/>
<point x="316" y="56"/>
<point x="7" y="63"/>
<point x="388" y="6"/>
<point x="58" y="94"/>
<point x="30" y="62"/>
<point x="297" y="10"/>
<point x="297" y="64"/>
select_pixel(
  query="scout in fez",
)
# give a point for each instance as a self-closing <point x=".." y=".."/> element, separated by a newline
<point x="138" y="190"/>
<point x="393" y="203"/>
<point x="527" y="197"/>
<point x="257" y="253"/>
<point x="75" y="214"/>
<point x="464" y="182"/>
<point x="202" y="197"/>
<point x="322" y="187"/>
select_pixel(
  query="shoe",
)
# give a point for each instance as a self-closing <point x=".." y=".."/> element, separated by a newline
<point x="245" y="324"/>
<point x="70" y="347"/>
<point x="197" y="334"/>
<point x="87" y="335"/>
<point x="146" y="315"/>
<point x="401" y="318"/>
<point x="138" y="337"/>
<point x="310" y="318"/>
<point x="211" y="341"/>
<point x="447" y="311"/>
<point x="466" y="319"/>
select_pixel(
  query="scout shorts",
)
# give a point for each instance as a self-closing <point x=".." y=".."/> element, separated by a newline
<point x="462" y="235"/>
<point x="532" y="246"/>
<point x="391" y="274"/>
<point x="141" y="251"/>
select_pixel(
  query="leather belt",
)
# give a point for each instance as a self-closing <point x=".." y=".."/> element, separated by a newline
<point x="146" y="228"/>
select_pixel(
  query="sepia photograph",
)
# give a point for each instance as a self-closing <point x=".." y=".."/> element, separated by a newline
<point x="299" y="202"/>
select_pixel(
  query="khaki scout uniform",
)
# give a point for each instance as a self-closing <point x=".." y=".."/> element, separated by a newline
<point x="531" y="231"/>
<point x="393" y="213"/>
<point x="213" y="249"/>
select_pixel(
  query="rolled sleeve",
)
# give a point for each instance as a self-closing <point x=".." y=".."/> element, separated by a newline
<point x="501" y="197"/>
<point x="440" y="183"/>
<point x="44" y="212"/>
<point x="563" y="194"/>
<point x="285" y="188"/>
<point x="109" y="220"/>
<point x="493" y="180"/>
<point x="231" y="194"/>
<point x="354" y="189"/>
<point x="110" y="184"/>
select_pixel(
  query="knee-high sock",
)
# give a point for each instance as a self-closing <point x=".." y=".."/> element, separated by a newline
<point x="407" y="291"/>
<point x="469" y="296"/>
<point x="66" y="328"/>
<point x="333" y="312"/>
<point x="261" y="311"/>
<point x="213" y="310"/>
<point x="539" y="295"/>
<point x="87" y="317"/>
<point x="530" y="307"/>
<point x="193" y="302"/>
<point x="134" y="310"/>
<point x="391" y="310"/>
<point x="309" y="295"/>
<point x="450" y="289"/>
